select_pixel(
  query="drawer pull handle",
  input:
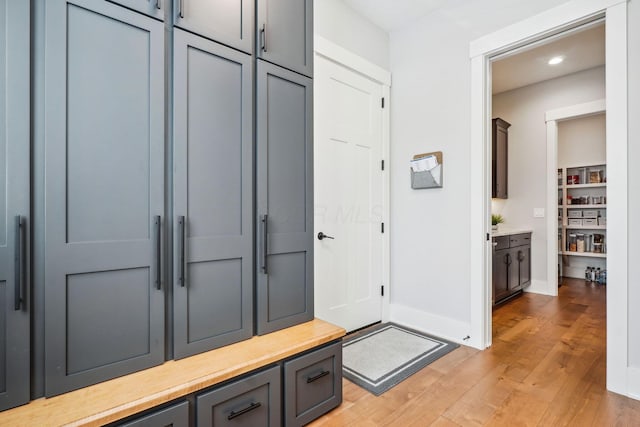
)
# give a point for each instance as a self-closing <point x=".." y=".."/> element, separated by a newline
<point x="317" y="377"/>
<point x="249" y="408"/>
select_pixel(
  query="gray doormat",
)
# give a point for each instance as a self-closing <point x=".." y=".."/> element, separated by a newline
<point x="380" y="357"/>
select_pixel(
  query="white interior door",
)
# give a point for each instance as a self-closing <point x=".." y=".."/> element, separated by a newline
<point x="348" y="196"/>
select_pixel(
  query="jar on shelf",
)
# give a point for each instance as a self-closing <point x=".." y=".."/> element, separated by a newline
<point x="572" y="243"/>
<point x="579" y="242"/>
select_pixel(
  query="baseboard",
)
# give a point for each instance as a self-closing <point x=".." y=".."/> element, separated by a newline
<point x="633" y="385"/>
<point x="540" y="287"/>
<point x="443" y="327"/>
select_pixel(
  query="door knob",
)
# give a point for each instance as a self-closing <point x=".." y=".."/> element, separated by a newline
<point x="321" y="236"/>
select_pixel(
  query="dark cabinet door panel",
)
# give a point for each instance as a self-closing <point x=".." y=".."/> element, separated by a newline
<point x="14" y="202"/>
<point x="227" y="22"/>
<point x="213" y="194"/>
<point x="285" y="34"/>
<point x="104" y="191"/>
<point x="285" y="198"/>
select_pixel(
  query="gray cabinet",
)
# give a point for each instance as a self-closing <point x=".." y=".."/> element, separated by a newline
<point x="312" y="385"/>
<point x="227" y="22"/>
<point x="153" y="8"/>
<point x="284" y="170"/>
<point x="254" y="401"/>
<point x="511" y="265"/>
<point x="104" y="186"/>
<point x="499" y="158"/>
<point x="285" y="33"/>
<point x="14" y="202"/>
<point x="213" y="195"/>
<point x="173" y="416"/>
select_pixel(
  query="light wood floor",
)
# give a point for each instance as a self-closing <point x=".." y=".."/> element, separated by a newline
<point x="546" y="368"/>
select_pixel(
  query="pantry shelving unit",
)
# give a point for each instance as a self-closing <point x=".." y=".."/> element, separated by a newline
<point x="582" y="210"/>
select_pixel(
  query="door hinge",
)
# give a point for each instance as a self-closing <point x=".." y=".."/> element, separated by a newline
<point x="382" y="163"/>
<point x="382" y="227"/>
<point x="382" y="290"/>
<point x="382" y="102"/>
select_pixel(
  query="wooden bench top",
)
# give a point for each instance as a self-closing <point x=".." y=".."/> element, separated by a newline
<point x="121" y="397"/>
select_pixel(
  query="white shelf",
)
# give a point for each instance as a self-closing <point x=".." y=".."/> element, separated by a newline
<point x="600" y="206"/>
<point x="584" y="227"/>
<point x="598" y="185"/>
<point x="585" y="254"/>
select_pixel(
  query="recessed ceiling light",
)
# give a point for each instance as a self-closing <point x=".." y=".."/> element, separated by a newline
<point x="556" y="60"/>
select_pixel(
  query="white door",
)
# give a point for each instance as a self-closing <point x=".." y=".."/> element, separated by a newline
<point x="348" y="196"/>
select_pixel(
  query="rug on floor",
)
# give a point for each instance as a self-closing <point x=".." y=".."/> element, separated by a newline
<point x="384" y="355"/>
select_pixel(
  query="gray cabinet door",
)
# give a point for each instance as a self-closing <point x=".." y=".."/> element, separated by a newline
<point x="524" y="266"/>
<point x="285" y="33"/>
<point x="154" y="8"/>
<point x="104" y="191"/>
<point x="14" y="202"/>
<point x="254" y="401"/>
<point x="213" y="195"/>
<point x="284" y="198"/>
<point x="500" y="274"/>
<point x="173" y="416"/>
<point x="227" y="22"/>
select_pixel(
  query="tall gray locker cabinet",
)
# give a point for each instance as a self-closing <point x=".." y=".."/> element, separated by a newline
<point x="104" y="186"/>
<point x="284" y="175"/>
<point x="14" y="201"/>
<point x="285" y="33"/>
<point x="213" y="195"/>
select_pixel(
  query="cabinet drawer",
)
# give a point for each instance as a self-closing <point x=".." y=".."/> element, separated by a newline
<point x="520" y="239"/>
<point x="313" y="384"/>
<point x="502" y="242"/>
<point x="250" y="402"/>
<point x="174" y="416"/>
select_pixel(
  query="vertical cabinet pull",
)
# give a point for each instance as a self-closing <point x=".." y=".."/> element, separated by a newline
<point x="181" y="249"/>
<point x="19" y="263"/>
<point x="263" y="259"/>
<point x="263" y="37"/>
<point x="158" y="4"/>
<point x="181" y="9"/>
<point x="234" y="414"/>
<point x="157" y="251"/>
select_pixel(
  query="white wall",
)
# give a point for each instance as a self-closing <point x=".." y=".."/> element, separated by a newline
<point x="582" y="141"/>
<point x="525" y="109"/>
<point x="634" y="180"/>
<point x="430" y="110"/>
<point x="337" y="22"/>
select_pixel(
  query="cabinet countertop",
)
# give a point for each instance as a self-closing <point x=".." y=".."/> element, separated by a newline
<point x="121" y="397"/>
<point x="504" y="231"/>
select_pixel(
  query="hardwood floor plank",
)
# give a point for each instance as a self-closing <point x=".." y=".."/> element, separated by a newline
<point x="546" y="367"/>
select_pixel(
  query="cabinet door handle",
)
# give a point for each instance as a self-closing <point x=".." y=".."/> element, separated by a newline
<point x="181" y="9"/>
<point x="263" y="37"/>
<point x="520" y="256"/>
<point x="181" y="249"/>
<point x="157" y="251"/>
<point x="264" y="222"/>
<point x="235" y="414"/>
<point x="19" y="263"/>
<point x="317" y="377"/>
<point x="158" y="4"/>
<point x="507" y="259"/>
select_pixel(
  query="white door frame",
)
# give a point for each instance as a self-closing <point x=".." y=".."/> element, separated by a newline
<point x="552" y="118"/>
<point x="347" y="59"/>
<point x="620" y="377"/>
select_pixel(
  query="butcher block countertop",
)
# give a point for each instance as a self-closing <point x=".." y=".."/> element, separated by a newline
<point x="121" y="397"/>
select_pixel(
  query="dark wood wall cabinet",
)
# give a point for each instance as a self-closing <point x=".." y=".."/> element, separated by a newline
<point x="499" y="158"/>
<point x="511" y="265"/>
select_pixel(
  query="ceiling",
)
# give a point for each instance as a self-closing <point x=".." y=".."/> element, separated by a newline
<point x="392" y="14"/>
<point x="582" y="50"/>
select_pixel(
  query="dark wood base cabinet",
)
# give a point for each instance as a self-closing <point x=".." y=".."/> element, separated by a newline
<point x="511" y="264"/>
